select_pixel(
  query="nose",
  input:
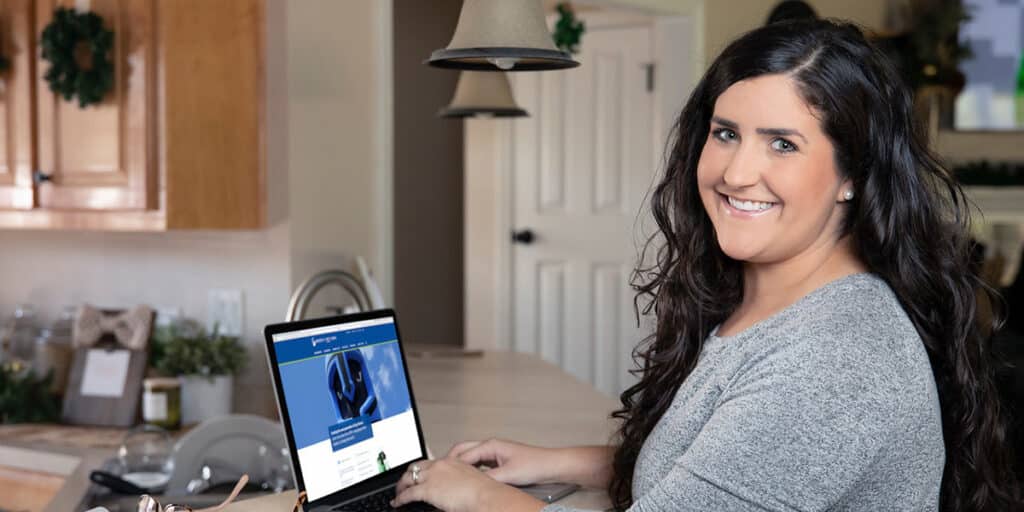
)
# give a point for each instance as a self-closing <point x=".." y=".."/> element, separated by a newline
<point x="743" y="169"/>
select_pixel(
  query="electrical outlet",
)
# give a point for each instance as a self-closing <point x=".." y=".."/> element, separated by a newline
<point x="224" y="311"/>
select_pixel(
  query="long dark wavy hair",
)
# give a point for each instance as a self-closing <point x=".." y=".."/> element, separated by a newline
<point x="908" y="223"/>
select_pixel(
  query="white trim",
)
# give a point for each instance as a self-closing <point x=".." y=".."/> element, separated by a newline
<point x="487" y="226"/>
<point x="383" y="260"/>
<point x="673" y="79"/>
<point x="504" y="322"/>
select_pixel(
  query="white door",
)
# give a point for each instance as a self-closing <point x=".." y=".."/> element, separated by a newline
<point x="582" y="165"/>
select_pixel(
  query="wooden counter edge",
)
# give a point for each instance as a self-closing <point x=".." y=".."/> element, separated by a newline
<point x="76" y="483"/>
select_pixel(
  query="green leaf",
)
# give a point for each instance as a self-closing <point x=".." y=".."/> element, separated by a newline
<point x="25" y="397"/>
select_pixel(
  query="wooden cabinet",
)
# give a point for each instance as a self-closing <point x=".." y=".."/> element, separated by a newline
<point x="16" y="105"/>
<point x="176" y="144"/>
<point x="102" y="157"/>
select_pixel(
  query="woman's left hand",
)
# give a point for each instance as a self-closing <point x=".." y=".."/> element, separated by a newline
<point x="454" y="486"/>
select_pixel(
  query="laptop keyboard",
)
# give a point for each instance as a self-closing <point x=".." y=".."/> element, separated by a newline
<point x="380" y="502"/>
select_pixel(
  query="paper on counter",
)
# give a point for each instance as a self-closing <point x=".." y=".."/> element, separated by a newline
<point x="106" y="372"/>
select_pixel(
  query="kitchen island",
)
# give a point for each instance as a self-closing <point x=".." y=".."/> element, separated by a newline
<point x="495" y="394"/>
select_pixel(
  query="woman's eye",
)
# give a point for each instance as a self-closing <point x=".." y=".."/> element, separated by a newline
<point x="724" y="134"/>
<point x="783" y="146"/>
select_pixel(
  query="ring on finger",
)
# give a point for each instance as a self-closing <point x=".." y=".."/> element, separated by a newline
<point x="415" y="474"/>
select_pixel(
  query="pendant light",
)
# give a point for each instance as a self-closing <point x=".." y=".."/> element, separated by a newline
<point x="509" y="35"/>
<point x="480" y="94"/>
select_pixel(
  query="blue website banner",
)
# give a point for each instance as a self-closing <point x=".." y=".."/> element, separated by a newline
<point x="320" y="344"/>
<point x="350" y="432"/>
<point x="318" y="402"/>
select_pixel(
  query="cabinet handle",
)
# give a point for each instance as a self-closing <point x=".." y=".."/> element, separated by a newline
<point x="40" y="177"/>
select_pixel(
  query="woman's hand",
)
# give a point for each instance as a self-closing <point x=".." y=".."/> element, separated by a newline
<point x="510" y="462"/>
<point x="454" y="486"/>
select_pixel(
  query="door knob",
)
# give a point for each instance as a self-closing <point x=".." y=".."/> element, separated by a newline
<point x="523" y="237"/>
<point x="40" y="177"/>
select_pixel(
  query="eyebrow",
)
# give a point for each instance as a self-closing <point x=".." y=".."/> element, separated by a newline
<point x="782" y="132"/>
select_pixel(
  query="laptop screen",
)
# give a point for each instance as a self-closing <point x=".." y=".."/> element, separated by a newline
<point x="348" y="402"/>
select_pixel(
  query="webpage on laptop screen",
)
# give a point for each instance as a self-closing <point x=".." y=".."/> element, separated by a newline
<point x="348" y="402"/>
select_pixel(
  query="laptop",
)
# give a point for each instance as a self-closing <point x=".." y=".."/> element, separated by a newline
<point x="346" y="402"/>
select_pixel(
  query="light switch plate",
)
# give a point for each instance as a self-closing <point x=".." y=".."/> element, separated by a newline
<point x="224" y="311"/>
<point x="167" y="315"/>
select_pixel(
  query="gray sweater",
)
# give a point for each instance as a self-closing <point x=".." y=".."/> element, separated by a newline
<point x="829" y="404"/>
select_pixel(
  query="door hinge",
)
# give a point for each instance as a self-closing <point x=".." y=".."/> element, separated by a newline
<point x="649" y="68"/>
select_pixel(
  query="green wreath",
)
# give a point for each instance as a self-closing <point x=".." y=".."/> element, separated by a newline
<point x="568" y="29"/>
<point x="62" y="39"/>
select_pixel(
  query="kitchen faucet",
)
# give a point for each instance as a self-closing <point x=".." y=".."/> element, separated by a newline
<point x="301" y="297"/>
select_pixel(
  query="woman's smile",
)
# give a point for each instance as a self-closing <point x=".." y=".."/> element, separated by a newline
<point x="746" y="208"/>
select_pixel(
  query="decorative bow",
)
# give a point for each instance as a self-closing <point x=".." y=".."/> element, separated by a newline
<point x="130" y="328"/>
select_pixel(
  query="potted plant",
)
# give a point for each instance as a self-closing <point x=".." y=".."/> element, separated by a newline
<point x="26" y="397"/>
<point x="206" y="364"/>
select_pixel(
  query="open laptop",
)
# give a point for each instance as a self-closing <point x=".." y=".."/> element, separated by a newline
<point x="346" y="402"/>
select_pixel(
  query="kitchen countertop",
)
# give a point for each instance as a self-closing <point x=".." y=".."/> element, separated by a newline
<point x="496" y="394"/>
<point x="63" y="435"/>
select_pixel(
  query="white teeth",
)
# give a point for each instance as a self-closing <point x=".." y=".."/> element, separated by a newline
<point x="749" y="206"/>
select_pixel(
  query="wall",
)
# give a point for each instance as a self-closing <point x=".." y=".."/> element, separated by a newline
<point x="428" y="177"/>
<point x="339" y="95"/>
<point x="51" y="269"/>
<point x="724" y="21"/>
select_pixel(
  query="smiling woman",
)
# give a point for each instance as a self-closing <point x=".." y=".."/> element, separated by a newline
<point x="768" y="196"/>
<point x="814" y="252"/>
<point x="817" y="344"/>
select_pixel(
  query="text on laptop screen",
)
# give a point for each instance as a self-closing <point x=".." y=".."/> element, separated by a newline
<point x="348" y="402"/>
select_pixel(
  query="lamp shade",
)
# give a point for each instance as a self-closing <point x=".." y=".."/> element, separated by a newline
<point x="482" y="95"/>
<point x="502" y="35"/>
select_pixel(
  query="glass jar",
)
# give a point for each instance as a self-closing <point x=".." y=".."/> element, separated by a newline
<point x="144" y="457"/>
<point x="53" y="355"/>
<point x="21" y="332"/>
<point x="161" y="402"/>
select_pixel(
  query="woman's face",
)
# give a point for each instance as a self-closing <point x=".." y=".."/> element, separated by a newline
<point x="767" y="175"/>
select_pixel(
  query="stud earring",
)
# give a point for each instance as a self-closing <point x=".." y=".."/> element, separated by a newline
<point x="848" y="195"/>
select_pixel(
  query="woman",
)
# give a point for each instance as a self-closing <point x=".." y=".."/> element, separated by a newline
<point x="816" y="345"/>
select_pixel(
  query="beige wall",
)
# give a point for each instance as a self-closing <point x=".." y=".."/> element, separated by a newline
<point x="725" y="20"/>
<point x="339" y="95"/>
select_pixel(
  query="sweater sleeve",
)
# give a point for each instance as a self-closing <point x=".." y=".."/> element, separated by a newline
<point x="794" y="431"/>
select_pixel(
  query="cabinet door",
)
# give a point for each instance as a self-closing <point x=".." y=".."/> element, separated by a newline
<point x="102" y="157"/>
<point x="16" y="104"/>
